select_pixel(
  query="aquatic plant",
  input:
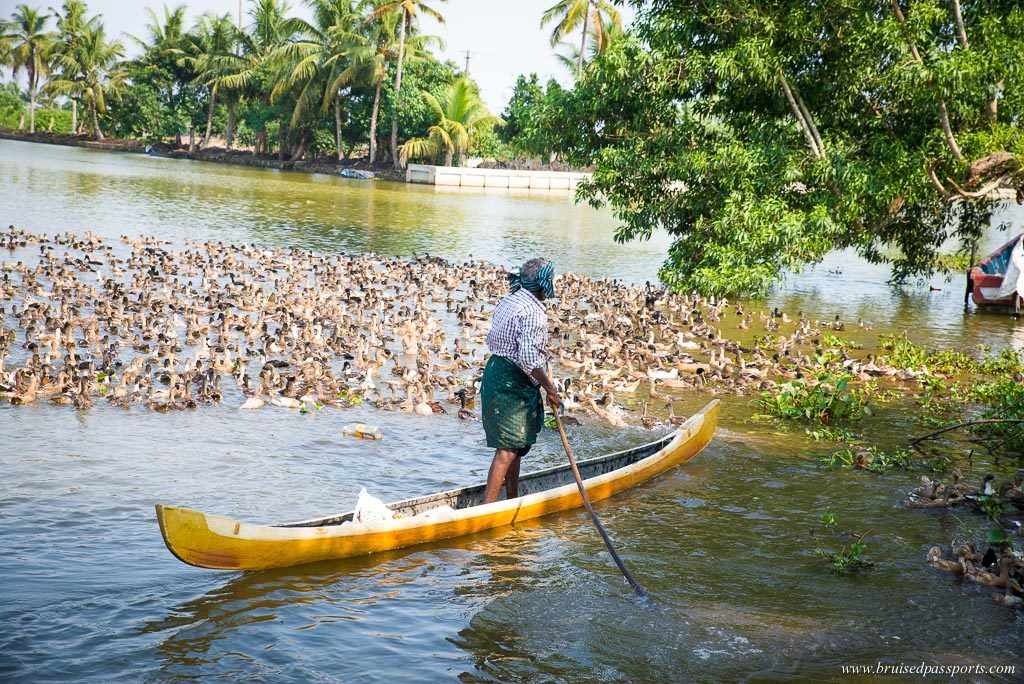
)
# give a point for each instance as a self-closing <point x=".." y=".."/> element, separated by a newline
<point x="848" y="558"/>
<point x="826" y="399"/>
<point x="871" y="458"/>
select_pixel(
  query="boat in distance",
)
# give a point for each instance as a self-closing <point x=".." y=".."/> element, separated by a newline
<point x="214" y="541"/>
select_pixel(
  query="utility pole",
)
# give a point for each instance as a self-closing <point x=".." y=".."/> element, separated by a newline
<point x="239" y="15"/>
<point x="467" y="64"/>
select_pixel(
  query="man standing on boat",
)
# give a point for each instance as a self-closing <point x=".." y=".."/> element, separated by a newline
<point x="516" y="371"/>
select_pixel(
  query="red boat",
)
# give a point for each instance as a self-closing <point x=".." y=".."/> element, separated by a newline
<point x="998" y="280"/>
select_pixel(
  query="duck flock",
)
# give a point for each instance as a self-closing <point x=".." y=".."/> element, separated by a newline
<point x="144" y="323"/>
<point x="998" y="566"/>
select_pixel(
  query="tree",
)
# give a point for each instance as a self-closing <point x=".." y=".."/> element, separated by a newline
<point x="30" y="47"/>
<point x="251" y="73"/>
<point x="763" y="135"/>
<point x="91" y="70"/>
<point x="71" y="22"/>
<point x="164" y="69"/>
<point x="318" y="67"/>
<point x="460" y="117"/>
<point x="570" y="14"/>
<point x="408" y="11"/>
<point x="382" y="48"/>
<point x="212" y="36"/>
<point x="525" y="116"/>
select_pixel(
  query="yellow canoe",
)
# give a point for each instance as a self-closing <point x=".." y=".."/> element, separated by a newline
<point x="213" y="541"/>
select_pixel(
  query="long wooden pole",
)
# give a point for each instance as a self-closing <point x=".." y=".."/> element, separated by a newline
<point x="590" y="509"/>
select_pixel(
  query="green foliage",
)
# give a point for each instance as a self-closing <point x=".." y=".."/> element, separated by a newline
<point x="825" y="399"/>
<point x="871" y="458"/>
<point x="143" y="111"/>
<point x="525" y="116"/>
<point x="761" y="136"/>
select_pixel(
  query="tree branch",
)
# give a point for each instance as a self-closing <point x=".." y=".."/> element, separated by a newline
<point x="918" y="440"/>
<point x="937" y="183"/>
<point x="960" y="25"/>
<point x="810" y="121"/>
<point x="968" y="194"/>
<point x="801" y="121"/>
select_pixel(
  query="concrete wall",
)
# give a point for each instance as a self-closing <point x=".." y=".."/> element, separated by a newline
<point x="493" y="178"/>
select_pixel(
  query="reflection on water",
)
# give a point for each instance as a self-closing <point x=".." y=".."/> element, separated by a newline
<point x="91" y="593"/>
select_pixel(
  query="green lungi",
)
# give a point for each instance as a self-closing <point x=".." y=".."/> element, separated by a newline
<point x="512" y="411"/>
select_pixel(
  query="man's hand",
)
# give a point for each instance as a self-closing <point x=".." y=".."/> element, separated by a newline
<point x="549" y="387"/>
<point x="553" y="400"/>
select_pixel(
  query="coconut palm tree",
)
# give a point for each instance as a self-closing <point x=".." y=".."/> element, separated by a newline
<point x="570" y="14"/>
<point x="90" y="69"/>
<point x="30" y="46"/>
<point x="213" y="35"/>
<point x="461" y="118"/>
<point x="603" y="32"/>
<point x="71" y="22"/>
<point x="243" y="74"/>
<point x="318" y="67"/>
<point x="382" y="48"/>
<point x="408" y="11"/>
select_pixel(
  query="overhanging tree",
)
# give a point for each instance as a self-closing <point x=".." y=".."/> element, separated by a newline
<point x="762" y="135"/>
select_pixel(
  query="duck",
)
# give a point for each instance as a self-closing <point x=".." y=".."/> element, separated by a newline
<point x="936" y="560"/>
<point x="1009" y="597"/>
<point x="990" y="579"/>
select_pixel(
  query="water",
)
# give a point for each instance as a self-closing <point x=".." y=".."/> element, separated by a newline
<point x="90" y="593"/>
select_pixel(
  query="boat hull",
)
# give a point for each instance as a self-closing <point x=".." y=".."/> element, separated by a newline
<point x="213" y="541"/>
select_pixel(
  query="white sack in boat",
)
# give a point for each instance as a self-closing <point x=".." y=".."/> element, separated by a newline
<point x="1013" y="281"/>
<point x="370" y="509"/>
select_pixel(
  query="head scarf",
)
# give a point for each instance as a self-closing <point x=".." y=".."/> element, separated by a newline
<point x="544" y="281"/>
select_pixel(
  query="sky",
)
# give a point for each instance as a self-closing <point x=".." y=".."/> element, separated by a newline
<point x="504" y="38"/>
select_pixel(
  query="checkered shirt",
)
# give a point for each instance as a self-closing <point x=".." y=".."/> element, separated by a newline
<point x="519" y="331"/>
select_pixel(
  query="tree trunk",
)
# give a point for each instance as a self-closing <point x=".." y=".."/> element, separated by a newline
<point x="300" y="149"/>
<point x="74" y="116"/>
<point x="398" y="88"/>
<point x="209" y="119"/>
<point x="31" y="107"/>
<point x="374" y="115"/>
<point x="337" y="125"/>
<point x="583" y="41"/>
<point x="96" y="123"/>
<point x="191" y="139"/>
<point x="448" y="157"/>
<point x="229" y="128"/>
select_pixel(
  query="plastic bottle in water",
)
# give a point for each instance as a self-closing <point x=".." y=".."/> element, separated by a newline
<point x="362" y="431"/>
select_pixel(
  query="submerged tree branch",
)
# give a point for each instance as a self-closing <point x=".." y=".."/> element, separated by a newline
<point x="918" y="440"/>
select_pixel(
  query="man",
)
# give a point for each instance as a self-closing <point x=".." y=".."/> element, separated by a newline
<point x="512" y="411"/>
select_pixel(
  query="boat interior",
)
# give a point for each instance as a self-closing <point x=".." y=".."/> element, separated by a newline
<point x="997" y="263"/>
<point x="529" y="483"/>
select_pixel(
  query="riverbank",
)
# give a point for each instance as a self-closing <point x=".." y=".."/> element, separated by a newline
<point x="217" y="155"/>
